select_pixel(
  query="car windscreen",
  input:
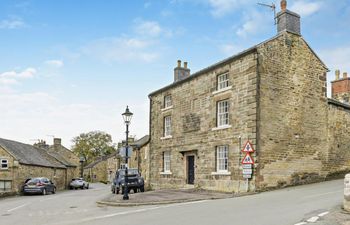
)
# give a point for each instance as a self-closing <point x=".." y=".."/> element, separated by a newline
<point x="34" y="181"/>
<point x="130" y="172"/>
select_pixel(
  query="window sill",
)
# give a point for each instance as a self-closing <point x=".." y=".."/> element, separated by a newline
<point x="166" y="137"/>
<point x="221" y="90"/>
<point x="167" y="108"/>
<point x="166" y="173"/>
<point x="221" y="173"/>
<point x="221" y="127"/>
<point x="4" y="169"/>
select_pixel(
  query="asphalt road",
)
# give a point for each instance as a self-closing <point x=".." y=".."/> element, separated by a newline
<point x="283" y="207"/>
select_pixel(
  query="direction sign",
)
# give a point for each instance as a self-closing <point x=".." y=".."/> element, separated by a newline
<point x="248" y="147"/>
<point x="247" y="159"/>
<point x="122" y="151"/>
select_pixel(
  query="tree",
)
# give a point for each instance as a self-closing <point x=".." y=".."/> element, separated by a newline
<point x="92" y="145"/>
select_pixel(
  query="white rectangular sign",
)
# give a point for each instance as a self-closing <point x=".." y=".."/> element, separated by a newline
<point x="246" y="166"/>
<point x="247" y="171"/>
<point x="247" y="176"/>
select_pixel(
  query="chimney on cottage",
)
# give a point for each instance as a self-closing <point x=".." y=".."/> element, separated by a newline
<point x="341" y="87"/>
<point x="181" y="73"/>
<point x="287" y="20"/>
<point x="41" y="144"/>
<point x="337" y="74"/>
<point x="57" y="142"/>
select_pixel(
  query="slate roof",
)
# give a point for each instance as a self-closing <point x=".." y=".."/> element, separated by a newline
<point x="141" y="142"/>
<point x="234" y="57"/>
<point x="59" y="157"/>
<point x="100" y="159"/>
<point x="29" y="155"/>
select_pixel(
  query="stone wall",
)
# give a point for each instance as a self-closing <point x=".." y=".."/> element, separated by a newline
<point x="292" y="146"/>
<point x="338" y="139"/>
<point x="8" y="174"/>
<point x="194" y="104"/>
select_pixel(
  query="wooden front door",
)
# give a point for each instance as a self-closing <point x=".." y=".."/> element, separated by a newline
<point x="190" y="169"/>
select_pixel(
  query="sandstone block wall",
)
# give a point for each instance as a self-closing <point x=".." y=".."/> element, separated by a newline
<point x="338" y="158"/>
<point x="193" y="119"/>
<point x="293" y="113"/>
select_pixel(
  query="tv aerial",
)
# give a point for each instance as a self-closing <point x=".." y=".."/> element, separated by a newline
<point x="272" y="7"/>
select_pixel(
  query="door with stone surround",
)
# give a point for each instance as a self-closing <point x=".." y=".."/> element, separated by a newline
<point x="190" y="169"/>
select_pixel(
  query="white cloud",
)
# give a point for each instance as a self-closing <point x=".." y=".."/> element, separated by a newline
<point x="12" y="77"/>
<point x="230" y="49"/>
<point x="223" y="7"/>
<point x="255" y="22"/>
<point x="54" y="63"/>
<point x="146" y="28"/>
<point x="306" y="8"/>
<point x="12" y="23"/>
<point x="337" y="58"/>
<point x="121" y="50"/>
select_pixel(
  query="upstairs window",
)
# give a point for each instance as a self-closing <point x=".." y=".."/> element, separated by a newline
<point x="167" y="101"/>
<point x="222" y="158"/>
<point x="166" y="161"/>
<point x="222" y="113"/>
<point x="222" y="81"/>
<point x="4" y="164"/>
<point x="167" y="126"/>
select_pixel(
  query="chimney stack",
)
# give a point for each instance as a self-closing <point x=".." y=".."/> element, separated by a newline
<point x="337" y="74"/>
<point x="287" y="20"/>
<point x="57" y="141"/>
<point x="181" y="73"/>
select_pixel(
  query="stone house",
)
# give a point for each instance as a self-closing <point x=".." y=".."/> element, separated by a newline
<point x="22" y="161"/>
<point x="273" y="95"/>
<point x="102" y="169"/>
<point x="64" y="156"/>
<point x="139" y="158"/>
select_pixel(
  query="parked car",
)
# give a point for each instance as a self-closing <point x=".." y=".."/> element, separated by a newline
<point x="78" y="183"/>
<point x="39" y="185"/>
<point x="135" y="181"/>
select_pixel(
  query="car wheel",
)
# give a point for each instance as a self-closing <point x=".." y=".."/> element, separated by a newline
<point x="83" y="187"/>
<point x="54" y="190"/>
<point x="142" y="188"/>
<point x="117" y="192"/>
<point x="87" y="187"/>
<point x="135" y="190"/>
<point x="44" y="191"/>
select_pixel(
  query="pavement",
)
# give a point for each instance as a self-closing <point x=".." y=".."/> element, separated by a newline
<point x="160" y="197"/>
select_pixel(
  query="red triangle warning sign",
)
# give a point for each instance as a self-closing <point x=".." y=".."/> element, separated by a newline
<point x="247" y="159"/>
<point x="248" y="147"/>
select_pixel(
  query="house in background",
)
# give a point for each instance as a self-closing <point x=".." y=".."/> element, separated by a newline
<point x="102" y="169"/>
<point x="139" y="158"/>
<point x="22" y="161"/>
<point x="64" y="156"/>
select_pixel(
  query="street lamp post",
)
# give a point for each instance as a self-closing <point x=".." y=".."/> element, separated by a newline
<point x="127" y="115"/>
<point x="81" y="160"/>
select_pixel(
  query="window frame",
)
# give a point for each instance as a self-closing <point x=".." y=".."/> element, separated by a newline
<point x="222" y="158"/>
<point x="222" y="83"/>
<point x="166" y="162"/>
<point x="222" y="113"/>
<point x="2" y="162"/>
<point x="168" y="101"/>
<point x="167" y="126"/>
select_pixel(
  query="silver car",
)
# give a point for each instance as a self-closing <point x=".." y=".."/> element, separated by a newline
<point x="78" y="183"/>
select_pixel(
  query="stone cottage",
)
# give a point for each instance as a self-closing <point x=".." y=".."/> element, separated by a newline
<point x="102" y="169"/>
<point x="273" y="95"/>
<point x="139" y="158"/>
<point x="22" y="161"/>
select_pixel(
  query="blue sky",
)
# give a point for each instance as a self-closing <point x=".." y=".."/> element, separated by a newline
<point x="69" y="67"/>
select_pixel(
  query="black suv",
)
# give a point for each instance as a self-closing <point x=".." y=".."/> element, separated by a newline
<point x="135" y="181"/>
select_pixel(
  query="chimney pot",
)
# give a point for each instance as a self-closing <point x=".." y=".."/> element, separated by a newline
<point x="179" y="63"/>
<point x="283" y="5"/>
<point x="185" y="65"/>
<point x="337" y="74"/>
<point x="345" y="75"/>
